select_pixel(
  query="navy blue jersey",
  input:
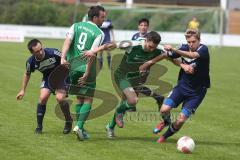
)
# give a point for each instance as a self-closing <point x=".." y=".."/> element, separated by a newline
<point x="200" y="78"/>
<point x="106" y="28"/>
<point x="51" y="60"/>
<point x="137" y="36"/>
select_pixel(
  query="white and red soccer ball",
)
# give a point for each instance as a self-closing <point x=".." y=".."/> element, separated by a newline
<point x="185" y="144"/>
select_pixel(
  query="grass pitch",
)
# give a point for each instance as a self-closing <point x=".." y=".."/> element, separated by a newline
<point x="214" y="127"/>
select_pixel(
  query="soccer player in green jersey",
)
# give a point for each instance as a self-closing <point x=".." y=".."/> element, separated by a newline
<point x="129" y="73"/>
<point x="81" y="37"/>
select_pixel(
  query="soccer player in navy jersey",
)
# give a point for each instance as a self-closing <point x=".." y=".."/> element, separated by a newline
<point x="143" y="25"/>
<point x="45" y="60"/>
<point x="107" y="28"/>
<point x="193" y="82"/>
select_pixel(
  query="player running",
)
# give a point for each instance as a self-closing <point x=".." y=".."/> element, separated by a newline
<point x="129" y="73"/>
<point x="193" y="82"/>
<point x="45" y="60"/>
<point x="81" y="37"/>
<point x="143" y="25"/>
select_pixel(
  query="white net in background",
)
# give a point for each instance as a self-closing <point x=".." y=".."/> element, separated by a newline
<point x="166" y="19"/>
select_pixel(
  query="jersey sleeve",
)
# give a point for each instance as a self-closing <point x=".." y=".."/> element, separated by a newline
<point x="29" y="67"/>
<point x="203" y="51"/>
<point x="111" y="25"/>
<point x="70" y="33"/>
<point x="57" y="52"/>
<point x="161" y="48"/>
<point x="98" y="41"/>
<point x="134" y="37"/>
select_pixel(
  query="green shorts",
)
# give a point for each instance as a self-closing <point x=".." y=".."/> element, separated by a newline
<point x="86" y="90"/>
<point x="123" y="82"/>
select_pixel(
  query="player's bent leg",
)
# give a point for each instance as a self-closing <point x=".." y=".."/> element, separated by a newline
<point x="41" y="108"/>
<point x="44" y="95"/>
<point x="173" y="128"/>
<point x="110" y="132"/>
<point x="63" y="103"/>
<point x="182" y="118"/>
<point x="131" y="96"/>
<point x="165" y="113"/>
<point x="131" y="101"/>
<point x="83" y="115"/>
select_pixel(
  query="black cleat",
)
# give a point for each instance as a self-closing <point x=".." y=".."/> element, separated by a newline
<point x="68" y="127"/>
<point x="38" y="130"/>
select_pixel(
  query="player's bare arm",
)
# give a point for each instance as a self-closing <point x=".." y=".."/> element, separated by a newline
<point x="187" y="54"/>
<point x="65" y="49"/>
<point x="82" y="80"/>
<point x="151" y="62"/>
<point x="107" y="46"/>
<point x="25" y="81"/>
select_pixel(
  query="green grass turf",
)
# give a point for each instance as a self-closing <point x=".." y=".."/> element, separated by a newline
<point x="215" y="127"/>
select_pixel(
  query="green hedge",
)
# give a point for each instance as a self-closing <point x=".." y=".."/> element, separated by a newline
<point x="42" y="12"/>
<point x="39" y="12"/>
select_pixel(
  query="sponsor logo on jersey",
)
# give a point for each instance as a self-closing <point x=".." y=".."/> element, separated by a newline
<point x="47" y="62"/>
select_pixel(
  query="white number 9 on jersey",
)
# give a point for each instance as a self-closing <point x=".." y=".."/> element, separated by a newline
<point x="81" y="41"/>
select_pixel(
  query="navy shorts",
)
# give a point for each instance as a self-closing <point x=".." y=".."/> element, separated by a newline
<point x="45" y="84"/>
<point x="190" y="100"/>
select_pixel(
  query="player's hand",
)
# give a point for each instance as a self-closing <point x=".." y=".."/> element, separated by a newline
<point x="64" y="62"/>
<point x="20" y="95"/>
<point x="89" y="54"/>
<point x="143" y="68"/>
<point x="187" y="68"/>
<point x="168" y="47"/>
<point x="82" y="80"/>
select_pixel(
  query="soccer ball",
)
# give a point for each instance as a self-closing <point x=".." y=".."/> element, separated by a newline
<point x="185" y="144"/>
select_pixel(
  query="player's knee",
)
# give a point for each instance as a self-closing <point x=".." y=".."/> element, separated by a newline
<point x="43" y="100"/>
<point x="60" y="98"/>
<point x="165" y="109"/>
<point x="133" y="101"/>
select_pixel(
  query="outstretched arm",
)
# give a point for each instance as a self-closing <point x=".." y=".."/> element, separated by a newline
<point x="187" y="54"/>
<point x="93" y="52"/>
<point x="25" y="81"/>
<point x="151" y="62"/>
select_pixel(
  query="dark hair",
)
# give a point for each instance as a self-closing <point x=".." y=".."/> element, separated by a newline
<point x="143" y="20"/>
<point x="154" y="37"/>
<point x="32" y="43"/>
<point x="94" y="11"/>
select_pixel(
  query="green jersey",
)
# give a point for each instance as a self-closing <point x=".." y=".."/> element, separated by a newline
<point x="85" y="36"/>
<point x="134" y="57"/>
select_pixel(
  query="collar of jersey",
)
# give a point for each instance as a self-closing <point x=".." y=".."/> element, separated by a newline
<point x="91" y="23"/>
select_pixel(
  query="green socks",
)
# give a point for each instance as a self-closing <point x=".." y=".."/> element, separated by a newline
<point x="77" y="109"/>
<point x="121" y="109"/>
<point x="83" y="114"/>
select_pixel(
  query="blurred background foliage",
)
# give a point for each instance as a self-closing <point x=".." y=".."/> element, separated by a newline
<point x="45" y="13"/>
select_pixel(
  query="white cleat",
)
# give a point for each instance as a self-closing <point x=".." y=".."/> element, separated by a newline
<point x="110" y="132"/>
<point x="79" y="133"/>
